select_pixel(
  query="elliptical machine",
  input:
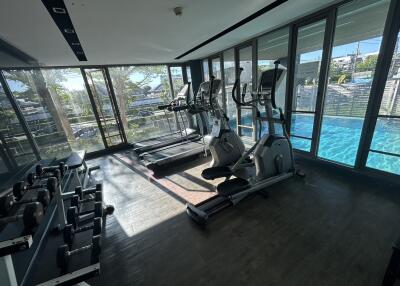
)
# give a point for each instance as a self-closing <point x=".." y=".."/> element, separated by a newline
<point x="225" y="145"/>
<point x="272" y="160"/>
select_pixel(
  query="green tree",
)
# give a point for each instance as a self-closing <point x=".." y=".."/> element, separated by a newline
<point x="368" y="64"/>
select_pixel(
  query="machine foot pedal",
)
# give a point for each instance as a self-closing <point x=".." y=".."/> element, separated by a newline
<point x="216" y="172"/>
<point x="233" y="186"/>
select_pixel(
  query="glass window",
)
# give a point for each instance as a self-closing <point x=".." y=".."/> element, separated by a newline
<point x="229" y="80"/>
<point x="246" y="78"/>
<point x="69" y="93"/>
<point x="310" y="41"/>
<point x="13" y="140"/>
<point x="189" y="74"/>
<point x="177" y="79"/>
<point x="271" y="47"/>
<point x="357" y="40"/>
<point x="206" y="73"/>
<point x="139" y="90"/>
<point x="216" y="67"/>
<point x="41" y="111"/>
<point x="385" y="146"/>
<point x="216" y="72"/>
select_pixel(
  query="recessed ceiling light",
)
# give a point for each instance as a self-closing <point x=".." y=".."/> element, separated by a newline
<point x="59" y="10"/>
<point x="69" y="31"/>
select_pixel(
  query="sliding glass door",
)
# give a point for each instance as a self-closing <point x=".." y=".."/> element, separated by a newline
<point x="103" y="100"/>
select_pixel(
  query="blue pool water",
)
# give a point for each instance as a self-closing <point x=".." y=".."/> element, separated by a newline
<point x="340" y="137"/>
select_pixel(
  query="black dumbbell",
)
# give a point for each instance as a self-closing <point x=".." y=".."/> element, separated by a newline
<point x="20" y="188"/>
<point x="40" y="170"/>
<point x="84" y="192"/>
<point x="73" y="215"/>
<point x="69" y="231"/>
<point x="7" y="202"/>
<point x="77" y="202"/>
<point x="32" y="216"/>
<point x="64" y="255"/>
<point x="32" y="177"/>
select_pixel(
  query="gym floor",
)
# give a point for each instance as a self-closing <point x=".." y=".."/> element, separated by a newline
<point x="325" y="229"/>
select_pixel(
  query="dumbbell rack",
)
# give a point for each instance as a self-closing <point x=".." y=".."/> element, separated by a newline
<point x="9" y="245"/>
<point x="7" y="248"/>
<point x="75" y="277"/>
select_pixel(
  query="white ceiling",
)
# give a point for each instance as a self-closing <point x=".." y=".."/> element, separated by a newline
<point x="133" y="31"/>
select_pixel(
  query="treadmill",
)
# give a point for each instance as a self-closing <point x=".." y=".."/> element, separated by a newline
<point x="189" y="148"/>
<point x="174" y="137"/>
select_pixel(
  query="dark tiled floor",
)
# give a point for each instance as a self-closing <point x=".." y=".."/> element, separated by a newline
<point x="323" y="230"/>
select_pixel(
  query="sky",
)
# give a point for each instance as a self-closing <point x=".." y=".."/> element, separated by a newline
<point x="366" y="47"/>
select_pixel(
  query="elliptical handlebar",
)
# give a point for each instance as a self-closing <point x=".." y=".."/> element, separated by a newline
<point x="210" y="92"/>
<point x="235" y="86"/>
<point x="276" y="63"/>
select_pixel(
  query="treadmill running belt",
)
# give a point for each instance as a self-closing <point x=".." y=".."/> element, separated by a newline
<point x="176" y="152"/>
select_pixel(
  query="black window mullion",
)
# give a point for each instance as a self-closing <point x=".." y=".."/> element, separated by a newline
<point x="114" y="102"/>
<point x="323" y="79"/>
<point x="290" y="76"/>
<point x="94" y="107"/>
<point x="389" y="39"/>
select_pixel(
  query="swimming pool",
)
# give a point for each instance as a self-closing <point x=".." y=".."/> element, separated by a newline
<point x="340" y="137"/>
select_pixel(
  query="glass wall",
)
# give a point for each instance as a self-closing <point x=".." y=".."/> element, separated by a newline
<point x="272" y="47"/>
<point x="139" y="90"/>
<point x="41" y="111"/>
<point x="245" y="54"/>
<point x="216" y="72"/>
<point x="229" y="80"/>
<point x="385" y="147"/>
<point x="308" y="58"/>
<point x="68" y="91"/>
<point x="189" y="73"/>
<point x="206" y="72"/>
<point x="177" y="79"/>
<point x="357" y="40"/>
<point x="57" y="110"/>
<point x="14" y="144"/>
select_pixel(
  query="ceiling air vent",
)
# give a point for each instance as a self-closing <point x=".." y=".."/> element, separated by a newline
<point x="59" y="13"/>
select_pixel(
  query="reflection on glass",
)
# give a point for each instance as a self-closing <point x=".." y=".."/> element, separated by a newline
<point x="357" y="41"/>
<point x="272" y="47"/>
<point x="68" y="91"/>
<point x="41" y="111"/>
<point x="308" y="61"/>
<point x="13" y="140"/>
<point x="177" y="79"/>
<point x="139" y="90"/>
<point x="229" y="80"/>
<point x="206" y="75"/>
